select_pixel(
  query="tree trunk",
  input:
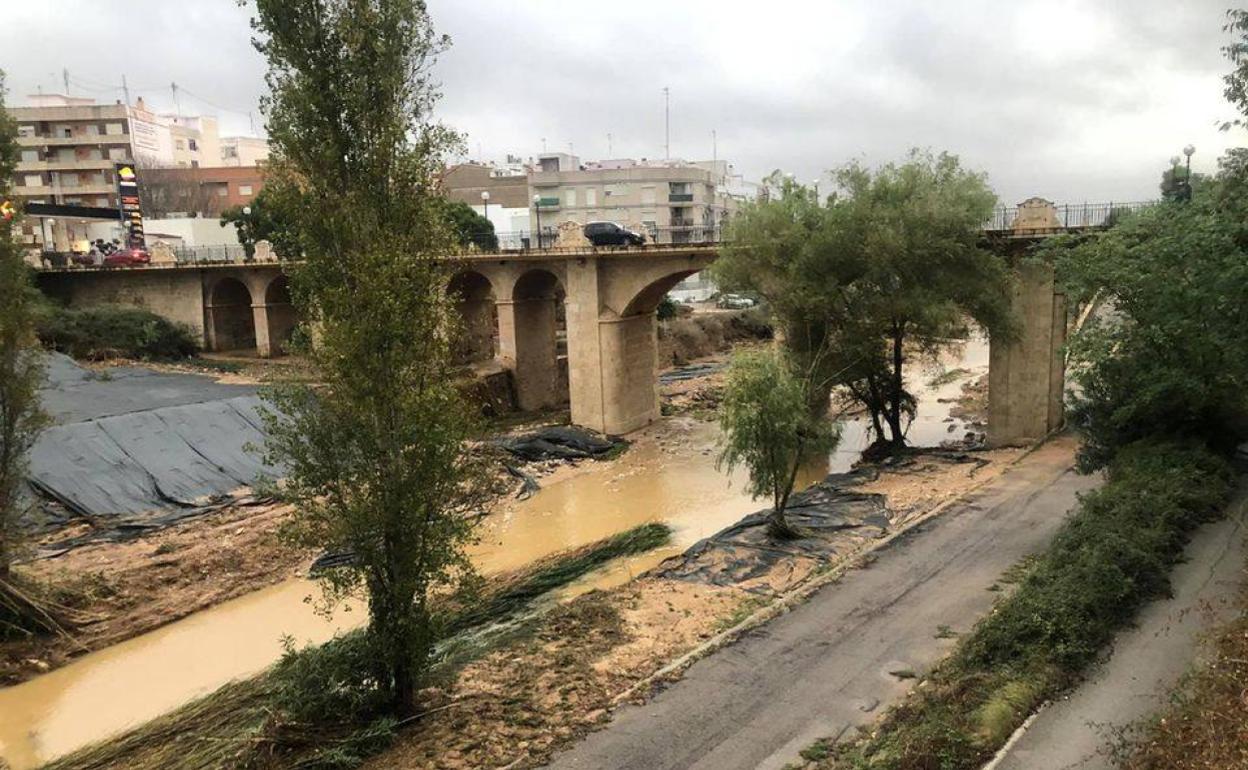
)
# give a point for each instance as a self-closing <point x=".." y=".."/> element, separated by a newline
<point x="896" y="388"/>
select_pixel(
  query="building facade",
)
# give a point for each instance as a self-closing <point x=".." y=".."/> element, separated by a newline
<point x="668" y="201"/>
<point x="244" y="151"/>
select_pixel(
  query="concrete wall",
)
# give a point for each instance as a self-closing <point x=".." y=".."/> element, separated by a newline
<point x="1026" y="376"/>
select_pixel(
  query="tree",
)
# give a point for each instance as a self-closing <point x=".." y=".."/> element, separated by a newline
<point x="376" y="455"/>
<point x="1236" y="81"/>
<point x="470" y="228"/>
<point x="167" y="190"/>
<point x="1169" y="359"/>
<point x="769" y="428"/>
<point x="887" y="267"/>
<point x="21" y="373"/>
<point x="267" y="218"/>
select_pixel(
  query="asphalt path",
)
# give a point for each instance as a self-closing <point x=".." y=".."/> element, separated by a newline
<point x="832" y="663"/>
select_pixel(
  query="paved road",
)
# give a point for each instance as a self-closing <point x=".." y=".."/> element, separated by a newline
<point x="824" y="667"/>
<point x="1079" y="733"/>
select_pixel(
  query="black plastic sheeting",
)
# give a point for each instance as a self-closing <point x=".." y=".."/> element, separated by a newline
<point x="559" y="442"/>
<point x="137" y="449"/>
<point x="744" y="551"/>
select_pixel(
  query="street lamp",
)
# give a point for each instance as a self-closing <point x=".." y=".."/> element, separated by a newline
<point x="537" y="209"/>
<point x="1189" y="151"/>
<point x="485" y="203"/>
<point x="816" y="184"/>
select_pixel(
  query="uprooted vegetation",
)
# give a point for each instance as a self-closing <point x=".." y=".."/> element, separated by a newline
<point x="1112" y="555"/>
<point x="319" y="707"/>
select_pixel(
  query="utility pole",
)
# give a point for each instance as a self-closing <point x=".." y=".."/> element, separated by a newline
<point x="65" y="79"/>
<point x="667" y="123"/>
<point x="173" y="87"/>
<point x="125" y="89"/>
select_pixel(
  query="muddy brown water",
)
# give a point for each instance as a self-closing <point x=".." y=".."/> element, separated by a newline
<point x="669" y="477"/>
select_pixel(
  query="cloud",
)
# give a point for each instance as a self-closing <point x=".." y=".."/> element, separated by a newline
<point x="1063" y="98"/>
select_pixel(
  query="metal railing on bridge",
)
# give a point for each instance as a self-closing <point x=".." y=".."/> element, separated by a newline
<point x="1071" y="216"/>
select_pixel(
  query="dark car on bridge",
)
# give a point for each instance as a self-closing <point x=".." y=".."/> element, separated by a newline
<point x="611" y="234"/>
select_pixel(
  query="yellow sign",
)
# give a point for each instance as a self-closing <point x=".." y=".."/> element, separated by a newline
<point x="7" y="211"/>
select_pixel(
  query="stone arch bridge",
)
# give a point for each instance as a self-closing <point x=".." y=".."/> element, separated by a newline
<point x="573" y="324"/>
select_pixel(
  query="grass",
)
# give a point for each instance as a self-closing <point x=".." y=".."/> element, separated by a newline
<point x="244" y="724"/>
<point x="1111" y="556"/>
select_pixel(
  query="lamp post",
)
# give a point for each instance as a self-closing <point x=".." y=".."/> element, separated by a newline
<point x="485" y="203"/>
<point x="816" y="184"/>
<point x="537" y="210"/>
<point x="1189" y="151"/>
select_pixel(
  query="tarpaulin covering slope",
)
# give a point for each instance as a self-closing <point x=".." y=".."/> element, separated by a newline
<point x="145" y="462"/>
<point x="136" y="447"/>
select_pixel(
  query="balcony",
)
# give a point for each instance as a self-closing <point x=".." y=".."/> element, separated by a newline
<point x="680" y="198"/>
<point x="52" y="164"/>
<point x="72" y="141"/>
<point x="548" y="203"/>
<point x="65" y="191"/>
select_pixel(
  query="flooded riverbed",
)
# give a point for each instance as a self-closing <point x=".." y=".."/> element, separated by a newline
<point x="668" y="476"/>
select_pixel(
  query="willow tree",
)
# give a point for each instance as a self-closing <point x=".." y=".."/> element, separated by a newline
<point x="20" y="375"/>
<point x="376" y="453"/>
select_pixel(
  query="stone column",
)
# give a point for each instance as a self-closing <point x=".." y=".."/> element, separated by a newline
<point x="260" y="314"/>
<point x="210" y="327"/>
<point x="527" y="336"/>
<point x="585" y="375"/>
<point x="1026" y="377"/>
<point x="629" y="359"/>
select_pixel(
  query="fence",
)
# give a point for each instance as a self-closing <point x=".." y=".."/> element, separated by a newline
<point x="1072" y="215"/>
<point x="225" y="252"/>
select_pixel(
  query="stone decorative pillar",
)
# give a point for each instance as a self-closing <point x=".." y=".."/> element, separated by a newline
<point x="585" y="373"/>
<point x="527" y="330"/>
<point x="629" y="358"/>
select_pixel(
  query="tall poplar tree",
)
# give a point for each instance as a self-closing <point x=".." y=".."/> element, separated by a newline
<point x="376" y="453"/>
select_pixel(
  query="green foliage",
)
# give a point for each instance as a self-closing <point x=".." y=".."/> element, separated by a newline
<point x="21" y="373"/>
<point x="1110" y="557"/>
<point x="667" y="309"/>
<point x="888" y="264"/>
<point x="267" y="218"/>
<point x="377" y="455"/>
<point x="1236" y="81"/>
<point x="114" y="331"/>
<point x="469" y="227"/>
<point x="1168" y="357"/>
<point x="769" y="428"/>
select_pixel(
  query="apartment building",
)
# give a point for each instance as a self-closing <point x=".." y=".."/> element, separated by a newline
<point x="670" y="201"/>
<point x="243" y="151"/>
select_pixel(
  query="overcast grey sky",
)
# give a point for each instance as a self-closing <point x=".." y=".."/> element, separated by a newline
<point x="1073" y="101"/>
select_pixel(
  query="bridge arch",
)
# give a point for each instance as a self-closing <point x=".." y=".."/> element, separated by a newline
<point x="476" y="301"/>
<point x="280" y="312"/>
<point x="231" y="322"/>
<point x="533" y="330"/>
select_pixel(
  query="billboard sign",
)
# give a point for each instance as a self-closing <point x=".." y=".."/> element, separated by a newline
<point x="130" y="205"/>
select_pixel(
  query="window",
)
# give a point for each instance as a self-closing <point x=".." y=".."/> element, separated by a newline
<point x="244" y="189"/>
<point x="30" y="156"/>
<point x="647" y="196"/>
<point x="33" y="180"/>
<point x="116" y="153"/>
<point x="95" y="154"/>
<point x="569" y="197"/>
<point x="68" y="180"/>
<point x="66" y="155"/>
<point x="27" y="131"/>
<point x="113" y="129"/>
<point x="194" y="164"/>
<point x="616" y="190"/>
<point x="222" y="191"/>
<point x="591" y="197"/>
<point x="191" y="143"/>
<point x="93" y="129"/>
<point x="180" y="144"/>
<point x="65" y="131"/>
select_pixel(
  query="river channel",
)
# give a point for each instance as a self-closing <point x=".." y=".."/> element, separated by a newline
<point x="668" y="476"/>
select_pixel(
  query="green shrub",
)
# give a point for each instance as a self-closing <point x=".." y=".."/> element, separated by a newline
<point x="114" y="331"/>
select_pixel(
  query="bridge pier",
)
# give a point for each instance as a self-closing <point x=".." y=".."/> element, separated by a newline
<point x="1026" y="377"/>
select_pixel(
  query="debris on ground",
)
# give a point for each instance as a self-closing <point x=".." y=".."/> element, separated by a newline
<point x="560" y="442"/>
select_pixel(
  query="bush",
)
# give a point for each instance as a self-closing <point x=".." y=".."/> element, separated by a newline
<point x="114" y="331"/>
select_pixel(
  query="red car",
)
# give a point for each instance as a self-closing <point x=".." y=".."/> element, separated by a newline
<point x="124" y="257"/>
